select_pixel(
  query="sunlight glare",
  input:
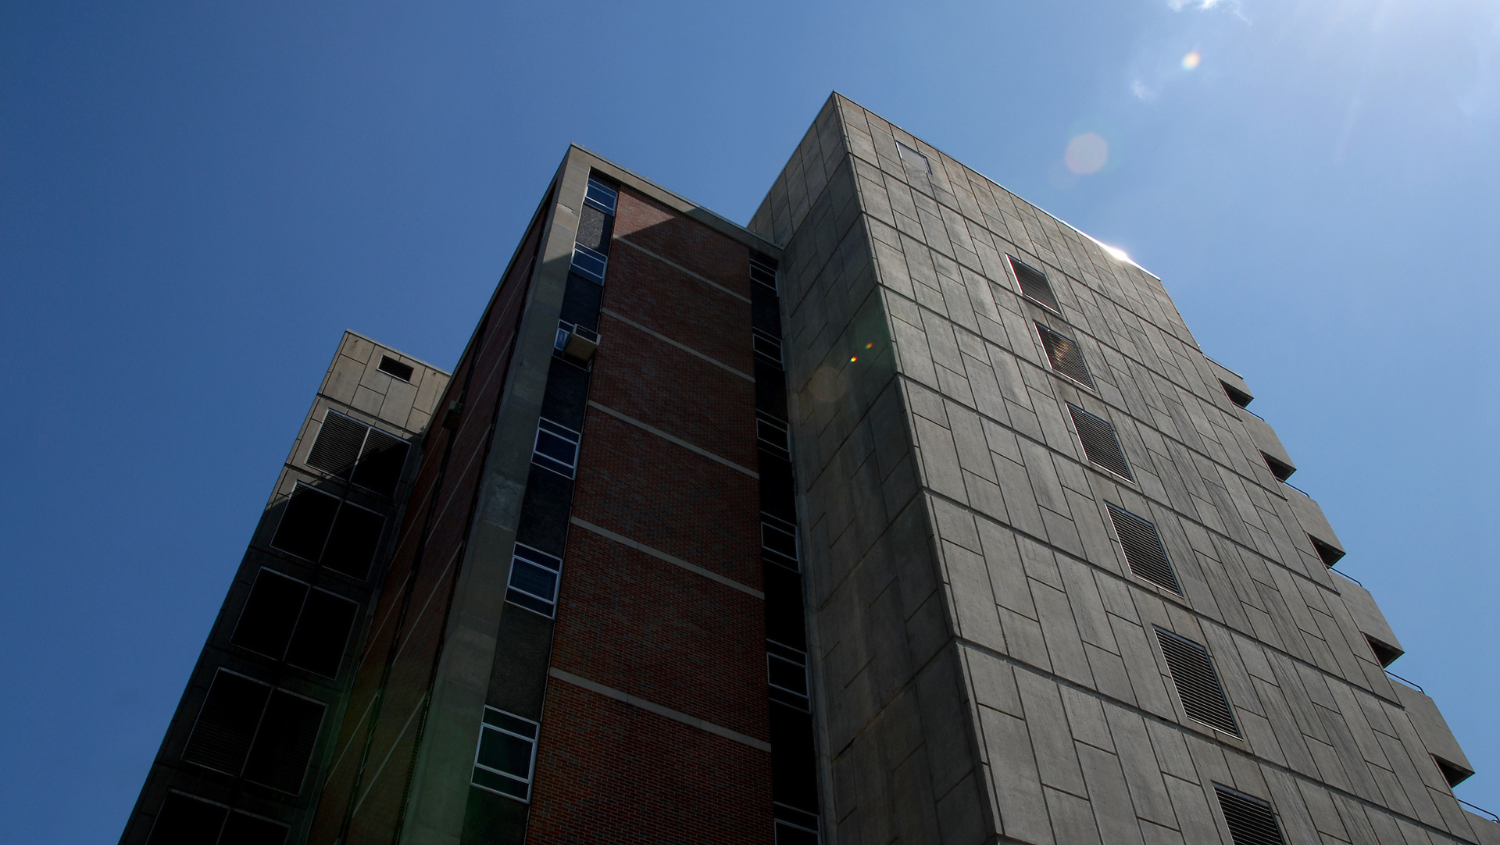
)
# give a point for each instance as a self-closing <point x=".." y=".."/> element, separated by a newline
<point x="1086" y="153"/>
<point x="1191" y="60"/>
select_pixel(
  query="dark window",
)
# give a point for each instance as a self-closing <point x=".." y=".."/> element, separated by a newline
<point x="767" y="347"/>
<point x="247" y="727"/>
<point x="185" y="820"/>
<point x="533" y="580"/>
<point x="1384" y="654"/>
<point x="506" y="754"/>
<point x="1065" y="355"/>
<point x="349" y="449"/>
<point x="318" y="527"/>
<point x="270" y="614"/>
<point x="1237" y="396"/>
<point x="285" y="742"/>
<point x="794" y="827"/>
<point x="1326" y="553"/>
<point x="1034" y="285"/>
<point x="913" y="158"/>
<point x="786" y="671"/>
<point x="589" y="263"/>
<point x="1099" y="442"/>
<point x="1197" y="683"/>
<point x="245" y="829"/>
<point x="226" y="723"/>
<point x="393" y="367"/>
<point x="1280" y="470"/>
<point x="322" y="632"/>
<point x="778" y="542"/>
<point x="1251" y="820"/>
<point x="1143" y="549"/>
<point x="601" y="195"/>
<point x="763" y="270"/>
<point x="556" y="447"/>
<point x="777" y="489"/>
<point x="1454" y="775"/>
<point x="765" y="306"/>
<point x="772" y="434"/>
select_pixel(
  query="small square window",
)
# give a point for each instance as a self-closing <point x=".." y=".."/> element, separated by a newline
<point x="778" y="542"/>
<point x="556" y="447"/>
<point x="913" y="158"/>
<point x="588" y="263"/>
<point x="763" y="270"/>
<point x="601" y="195"/>
<point x="772" y="434"/>
<point x="534" y="578"/>
<point x="786" y="671"/>
<point x="506" y="755"/>
<point x="767" y="347"/>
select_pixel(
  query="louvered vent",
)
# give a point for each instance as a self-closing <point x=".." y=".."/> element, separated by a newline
<point x="1065" y="356"/>
<point x="226" y="724"/>
<point x="1034" y="284"/>
<point x="1143" y="549"/>
<point x="1099" y="442"/>
<point x="1197" y="684"/>
<point x="338" y="444"/>
<point x="1251" y="821"/>
<point x="285" y="742"/>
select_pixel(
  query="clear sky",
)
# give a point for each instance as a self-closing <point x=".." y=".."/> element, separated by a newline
<point x="197" y="198"/>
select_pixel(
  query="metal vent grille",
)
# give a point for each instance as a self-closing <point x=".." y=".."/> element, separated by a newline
<point x="337" y="446"/>
<point x="1034" y="284"/>
<point x="285" y="741"/>
<point x="1251" y="821"/>
<point x="393" y="367"/>
<point x="1143" y="549"/>
<point x="1099" y="442"/>
<point x="226" y="724"/>
<point x="1197" y="684"/>
<point x="1065" y="355"/>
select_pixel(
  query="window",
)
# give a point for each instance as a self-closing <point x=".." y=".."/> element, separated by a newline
<point x="772" y="434"/>
<point x="1237" y="396"/>
<point x="1326" y="552"/>
<point x="533" y="580"/>
<point x="786" y="671"/>
<point x="1143" y="549"/>
<point x="588" y="263"/>
<point x="347" y="448"/>
<point x="1250" y="820"/>
<point x="763" y="270"/>
<point x="794" y="826"/>
<point x="395" y="368"/>
<point x="556" y="447"/>
<point x="186" y="820"/>
<point x="1099" y="442"/>
<point x="318" y="527"/>
<point x="285" y="618"/>
<point x="250" y="729"/>
<point x="506" y="754"/>
<point x="1281" y="470"/>
<point x="778" y="541"/>
<point x="766" y="346"/>
<point x="601" y="195"/>
<point x="1033" y="284"/>
<point x="1197" y="683"/>
<point x="1065" y="355"/>
<point x="913" y="158"/>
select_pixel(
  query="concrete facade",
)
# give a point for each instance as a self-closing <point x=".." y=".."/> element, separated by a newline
<point x="906" y="513"/>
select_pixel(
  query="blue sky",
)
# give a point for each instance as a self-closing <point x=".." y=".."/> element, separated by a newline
<point x="198" y="198"/>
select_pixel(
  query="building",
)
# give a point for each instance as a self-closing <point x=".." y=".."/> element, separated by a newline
<point x="906" y="513"/>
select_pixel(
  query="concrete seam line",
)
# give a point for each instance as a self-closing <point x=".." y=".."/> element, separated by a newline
<point x="691" y="721"/>
<point x="678" y="440"/>
<point x="676" y="266"/>
<point x="660" y="555"/>
<point x="664" y="339"/>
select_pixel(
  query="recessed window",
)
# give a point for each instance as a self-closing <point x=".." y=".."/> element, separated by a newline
<point x="778" y="542"/>
<point x="1385" y="655"/>
<point x="601" y="195"/>
<point x="347" y="448"/>
<point x="533" y="580"/>
<point x="250" y="729"/>
<point x="1033" y="284"/>
<point x="1251" y="821"/>
<point x="786" y="671"/>
<point x="506" y="754"/>
<point x="1197" y="684"/>
<point x="1454" y="775"/>
<point x="318" y="527"/>
<point x="1099" y="442"/>
<point x="766" y="346"/>
<point x="1143" y="549"/>
<point x="763" y="270"/>
<point x="1327" y="553"/>
<point x="186" y="818"/>
<point x="1065" y="355"/>
<point x="1237" y="396"/>
<point x="588" y="263"/>
<point x="912" y="158"/>
<point x="395" y="368"/>
<point x="556" y="447"/>
<point x="772" y="434"/>
<point x="1280" y="470"/>
<point x="795" y="827"/>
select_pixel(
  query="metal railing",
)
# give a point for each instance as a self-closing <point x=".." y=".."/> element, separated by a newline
<point x="1494" y="818"/>
<point x="1346" y="576"/>
<point x="1411" y="684"/>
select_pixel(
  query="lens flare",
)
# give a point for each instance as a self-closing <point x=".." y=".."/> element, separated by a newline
<point x="1191" y="60"/>
<point x="1086" y="153"/>
<point x="853" y="358"/>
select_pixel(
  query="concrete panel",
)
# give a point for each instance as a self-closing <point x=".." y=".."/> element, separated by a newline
<point x="1434" y="733"/>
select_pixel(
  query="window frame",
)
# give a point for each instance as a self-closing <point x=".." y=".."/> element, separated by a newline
<point x="510" y="584"/>
<point x="534" y="740"/>
<point x="557" y="430"/>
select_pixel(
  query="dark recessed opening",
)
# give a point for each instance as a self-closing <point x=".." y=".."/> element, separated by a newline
<point x="1329" y="554"/>
<point x="1237" y="396"/>
<point x="396" y="368"/>
<point x="1383" y="653"/>
<point x="1454" y="775"/>
<point x="1280" y="470"/>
